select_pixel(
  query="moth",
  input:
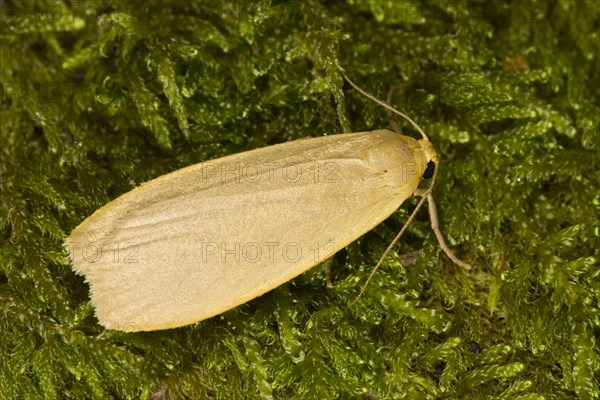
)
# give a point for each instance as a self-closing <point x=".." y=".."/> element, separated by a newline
<point x="199" y="241"/>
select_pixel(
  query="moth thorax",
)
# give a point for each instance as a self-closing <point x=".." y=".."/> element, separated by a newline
<point x="401" y="161"/>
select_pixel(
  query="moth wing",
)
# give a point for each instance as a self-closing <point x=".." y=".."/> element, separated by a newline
<point x="201" y="240"/>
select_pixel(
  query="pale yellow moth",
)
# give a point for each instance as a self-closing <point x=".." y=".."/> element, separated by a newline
<point x="201" y="240"/>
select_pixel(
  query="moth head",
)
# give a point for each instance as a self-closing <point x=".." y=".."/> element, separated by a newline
<point x="429" y="170"/>
<point x="431" y="156"/>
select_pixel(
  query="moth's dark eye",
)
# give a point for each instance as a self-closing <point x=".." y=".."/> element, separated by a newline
<point x="429" y="171"/>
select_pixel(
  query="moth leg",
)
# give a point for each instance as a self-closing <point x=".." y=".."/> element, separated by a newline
<point x="391" y="119"/>
<point x="436" y="229"/>
<point x="328" y="263"/>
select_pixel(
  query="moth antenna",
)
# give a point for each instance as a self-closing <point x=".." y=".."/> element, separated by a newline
<point x="387" y="107"/>
<point x="390" y="115"/>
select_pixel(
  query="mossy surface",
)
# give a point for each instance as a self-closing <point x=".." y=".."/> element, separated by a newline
<point x="99" y="96"/>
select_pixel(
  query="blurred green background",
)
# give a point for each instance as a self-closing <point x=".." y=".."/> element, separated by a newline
<point x="100" y="96"/>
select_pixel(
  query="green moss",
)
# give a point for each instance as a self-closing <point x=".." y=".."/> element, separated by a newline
<point x="100" y="96"/>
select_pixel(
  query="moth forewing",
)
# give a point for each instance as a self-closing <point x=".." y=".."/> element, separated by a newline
<point x="201" y="240"/>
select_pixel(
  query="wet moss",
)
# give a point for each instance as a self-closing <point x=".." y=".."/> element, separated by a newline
<point x="98" y="97"/>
